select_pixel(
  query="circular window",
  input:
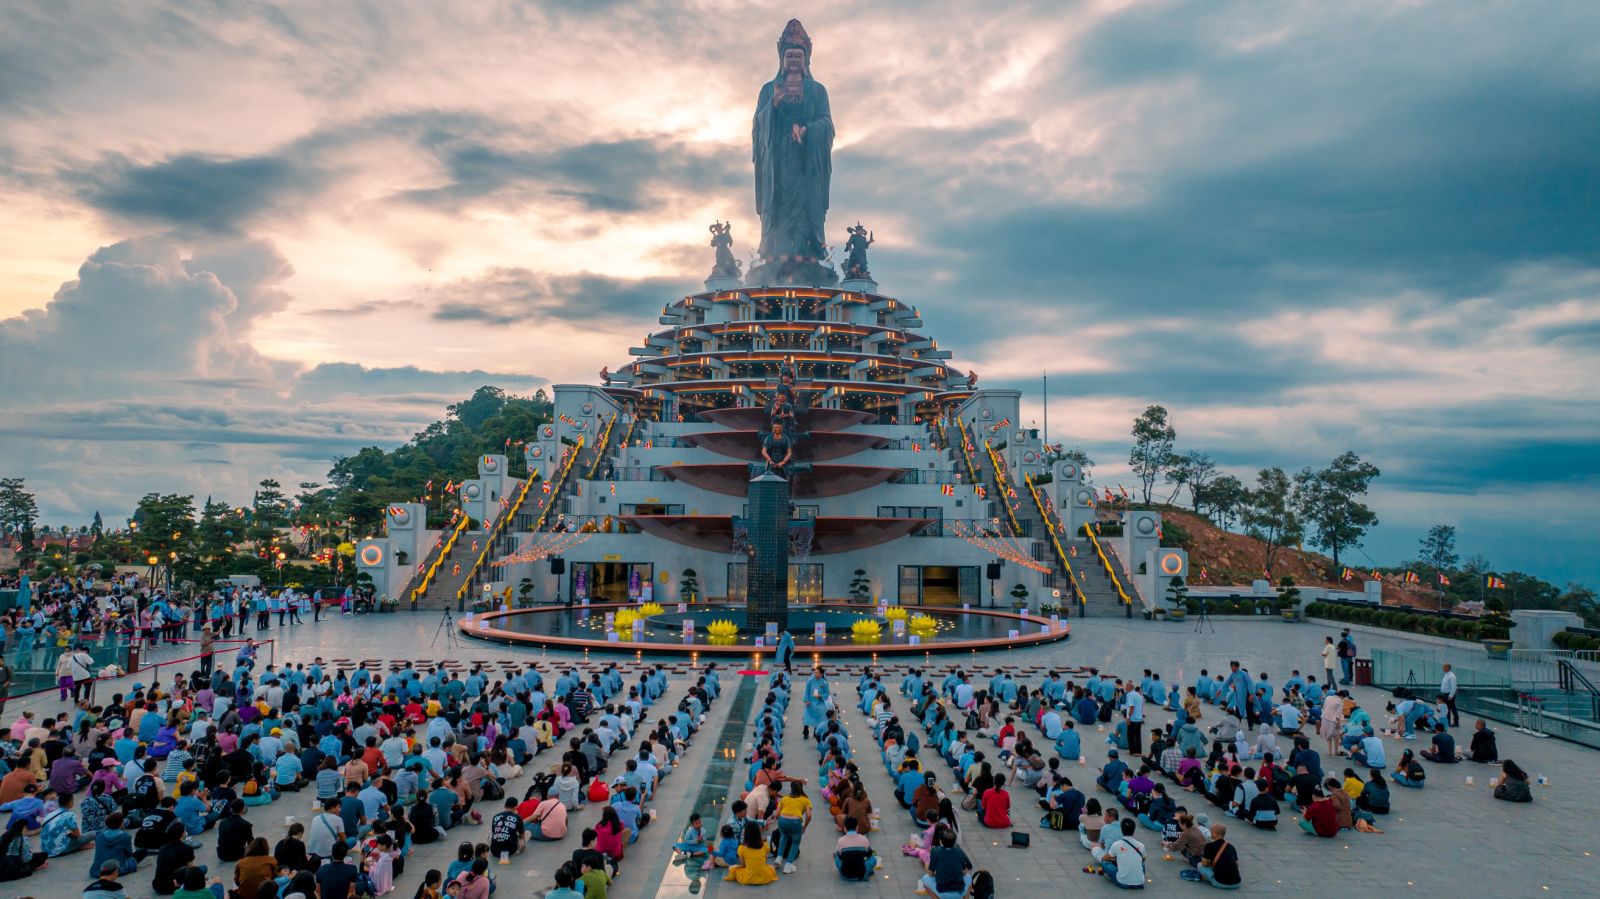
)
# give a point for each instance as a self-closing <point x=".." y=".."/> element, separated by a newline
<point x="1145" y="525"/>
<point x="491" y="464"/>
<point x="548" y="431"/>
<point x="1069" y="471"/>
<point x="399" y="516"/>
<point x="471" y="491"/>
<point x="588" y="408"/>
<point x="372" y="555"/>
<point x="1171" y="564"/>
<point x="1029" y="456"/>
<point x="1084" y="496"/>
<point x="537" y="452"/>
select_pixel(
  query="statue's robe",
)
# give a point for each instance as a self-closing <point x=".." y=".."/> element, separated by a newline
<point x="792" y="178"/>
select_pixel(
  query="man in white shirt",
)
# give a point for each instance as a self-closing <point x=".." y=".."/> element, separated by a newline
<point x="1330" y="659"/>
<point x="324" y="830"/>
<point x="1122" y="857"/>
<point x="1447" y="689"/>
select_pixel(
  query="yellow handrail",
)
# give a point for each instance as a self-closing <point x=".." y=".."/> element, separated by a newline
<point x="498" y="525"/>
<point x="1002" y="484"/>
<point x="966" y="454"/>
<point x="600" y="454"/>
<point x="559" y="483"/>
<point x="444" y="550"/>
<point x="1111" y="571"/>
<point x="1055" y="540"/>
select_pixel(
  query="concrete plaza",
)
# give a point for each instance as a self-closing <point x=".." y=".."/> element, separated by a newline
<point x="1448" y="839"/>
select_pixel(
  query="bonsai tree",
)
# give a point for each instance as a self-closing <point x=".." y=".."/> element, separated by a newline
<point x="1288" y="599"/>
<point x="688" y="585"/>
<point x="1178" y="596"/>
<point x="524" y="589"/>
<point x="860" y="587"/>
<point x="1019" y="594"/>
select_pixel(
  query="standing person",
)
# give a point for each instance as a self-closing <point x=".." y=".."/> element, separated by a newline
<point x="64" y="676"/>
<point x="1330" y="659"/>
<point x="1447" y="692"/>
<point x="1347" y="657"/>
<point x="1133" y="708"/>
<point x="794" y="816"/>
<point x="6" y="675"/>
<point x="82" y="674"/>
<point x="208" y="648"/>
<point x="786" y="651"/>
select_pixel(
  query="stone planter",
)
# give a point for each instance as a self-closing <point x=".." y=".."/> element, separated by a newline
<point x="1177" y="614"/>
<point x="1290" y="614"/>
<point x="1497" y="649"/>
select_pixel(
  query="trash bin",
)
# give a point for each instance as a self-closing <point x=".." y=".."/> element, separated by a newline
<point x="1363" y="672"/>
<point x="133" y="657"/>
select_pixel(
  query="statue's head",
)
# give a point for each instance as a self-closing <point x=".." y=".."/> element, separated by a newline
<point x="794" y="48"/>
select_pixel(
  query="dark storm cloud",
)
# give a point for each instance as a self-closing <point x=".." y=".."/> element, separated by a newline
<point x="507" y="295"/>
<point x="196" y="192"/>
<point x="617" y="176"/>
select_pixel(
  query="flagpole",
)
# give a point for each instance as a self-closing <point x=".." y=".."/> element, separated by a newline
<point x="1045" y="377"/>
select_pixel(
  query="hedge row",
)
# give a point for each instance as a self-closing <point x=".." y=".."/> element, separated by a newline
<point x="1234" y="606"/>
<point x="1571" y="640"/>
<point x="1412" y="622"/>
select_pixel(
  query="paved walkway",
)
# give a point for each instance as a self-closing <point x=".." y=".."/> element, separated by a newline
<point x="1437" y="839"/>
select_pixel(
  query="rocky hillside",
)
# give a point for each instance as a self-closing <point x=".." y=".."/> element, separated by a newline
<point x="1218" y="557"/>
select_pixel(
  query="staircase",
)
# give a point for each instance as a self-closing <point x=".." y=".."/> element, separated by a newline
<point x="1099" y="593"/>
<point x="446" y="582"/>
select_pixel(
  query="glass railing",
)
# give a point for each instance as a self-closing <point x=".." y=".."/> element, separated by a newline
<point x="1545" y="692"/>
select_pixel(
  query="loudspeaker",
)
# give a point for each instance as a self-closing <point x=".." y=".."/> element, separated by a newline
<point x="993" y="571"/>
<point x="558" y="565"/>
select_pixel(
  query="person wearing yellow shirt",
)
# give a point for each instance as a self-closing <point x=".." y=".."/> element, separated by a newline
<point x="753" y="868"/>
<point x="794" y="816"/>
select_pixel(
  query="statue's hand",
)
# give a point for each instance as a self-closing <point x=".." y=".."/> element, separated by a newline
<point x="799" y="133"/>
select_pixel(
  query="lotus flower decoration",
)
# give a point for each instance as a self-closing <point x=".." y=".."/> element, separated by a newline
<point x="866" y="629"/>
<point x="923" y="623"/>
<point x="649" y="609"/>
<point x="624" y="619"/>
<point x="722" y="628"/>
<point x="896" y="613"/>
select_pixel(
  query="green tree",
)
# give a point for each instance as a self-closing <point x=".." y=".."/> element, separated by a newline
<point x="1153" y="436"/>
<point x="98" y="528"/>
<point x="1269" y="514"/>
<point x="1222" y="499"/>
<point x="18" y="514"/>
<point x="271" y="507"/>
<point x="1193" y="470"/>
<point x="1438" y="548"/>
<point x="1329" y="502"/>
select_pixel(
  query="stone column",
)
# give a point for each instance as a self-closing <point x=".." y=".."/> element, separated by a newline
<point x="768" y="598"/>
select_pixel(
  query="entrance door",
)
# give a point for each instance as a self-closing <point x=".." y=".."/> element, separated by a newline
<point x="612" y="581"/>
<point x="941" y="585"/>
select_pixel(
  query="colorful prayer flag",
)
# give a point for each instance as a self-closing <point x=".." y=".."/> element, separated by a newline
<point x="1494" y="583"/>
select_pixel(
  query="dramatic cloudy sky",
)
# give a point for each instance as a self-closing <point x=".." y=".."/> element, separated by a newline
<point x="241" y="239"/>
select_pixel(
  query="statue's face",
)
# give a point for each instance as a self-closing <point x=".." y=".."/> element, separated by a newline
<point x="794" y="60"/>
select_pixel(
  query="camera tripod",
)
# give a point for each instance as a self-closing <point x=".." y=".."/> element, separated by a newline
<point x="447" y="629"/>
<point x="1203" y="618"/>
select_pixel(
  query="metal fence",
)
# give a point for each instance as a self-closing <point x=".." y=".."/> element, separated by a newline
<point x="33" y="663"/>
<point x="1546" y="693"/>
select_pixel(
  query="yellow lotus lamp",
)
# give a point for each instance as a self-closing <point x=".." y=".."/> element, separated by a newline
<point x="624" y="619"/>
<point x="722" y="628"/>
<point x="650" y="608"/>
<point x="923" y="624"/>
<point x="896" y="613"/>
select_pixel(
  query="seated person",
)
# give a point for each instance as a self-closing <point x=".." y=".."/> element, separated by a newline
<point x="1513" y="786"/>
<point x="1370" y="751"/>
<point x="1443" y="750"/>
<point x="1483" y="748"/>
<point x="1110" y="778"/>
<point x="1375" y="795"/>
<point x="1321" y="819"/>
<point x="1408" y="771"/>
<point x="849" y="848"/>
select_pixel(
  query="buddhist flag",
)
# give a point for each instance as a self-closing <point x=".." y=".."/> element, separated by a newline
<point x="1494" y="583"/>
<point x="1376" y="575"/>
<point x="1412" y="577"/>
<point x="978" y="489"/>
<point x="1205" y="575"/>
<point x="1124" y="491"/>
<point x="1443" y="581"/>
<point x="1346" y="574"/>
<point x="948" y="490"/>
<point x="1109" y="497"/>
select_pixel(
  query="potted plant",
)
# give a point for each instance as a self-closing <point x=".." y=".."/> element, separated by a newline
<point x="688" y="586"/>
<point x="1494" y="632"/>
<point x="1178" y="595"/>
<point x="524" y="591"/>
<point x="860" y="587"/>
<point x="1288" y="599"/>
<point x="1019" y="597"/>
<point x="387" y="604"/>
